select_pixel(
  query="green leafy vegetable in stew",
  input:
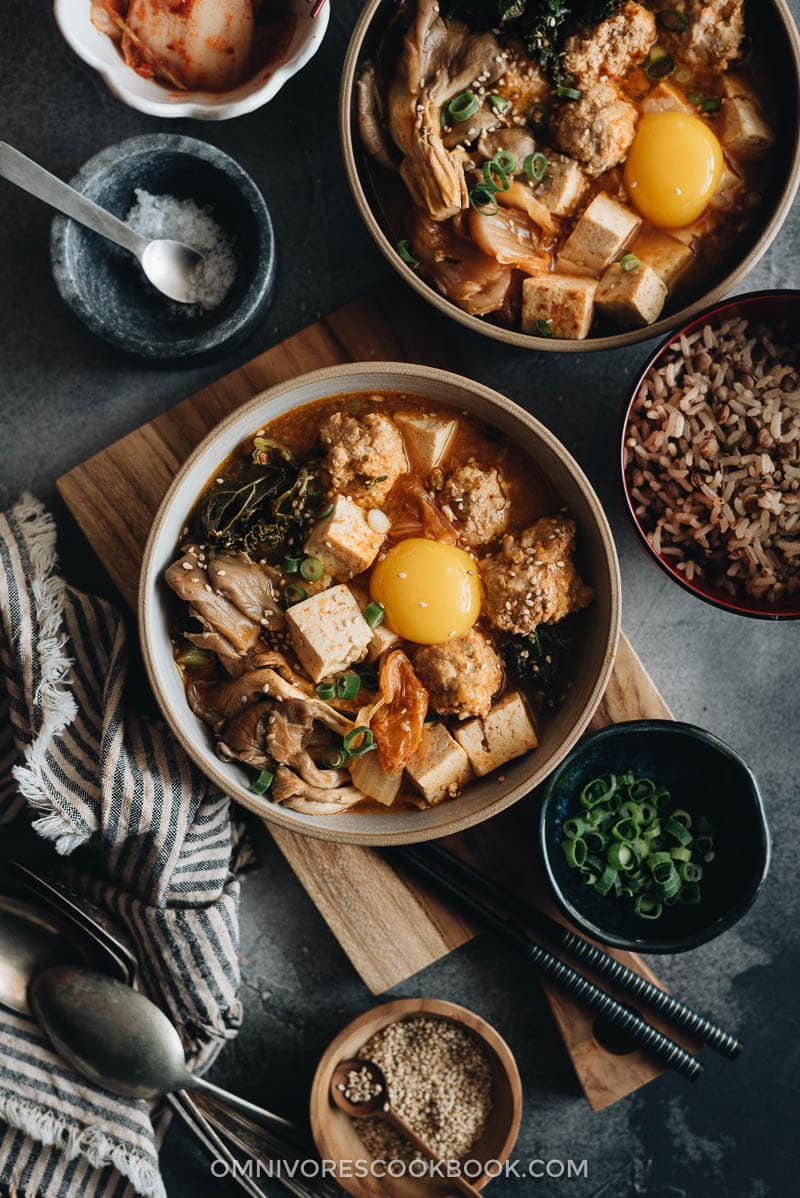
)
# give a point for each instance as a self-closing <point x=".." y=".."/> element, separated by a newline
<point x="262" y="511"/>
<point x="538" y="662"/>
<point x="540" y="24"/>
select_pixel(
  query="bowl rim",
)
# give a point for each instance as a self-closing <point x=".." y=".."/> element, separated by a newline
<point x="400" y="1008"/>
<point x="238" y="325"/>
<point x="678" y="944"/>
<point x="64" y="12"/>
<point x="527" y="340"/>
<point x="409" y="374"/>
<point x="738" y="607"/>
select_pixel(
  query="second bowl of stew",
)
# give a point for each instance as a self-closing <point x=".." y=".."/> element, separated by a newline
<point x="572" y="181"/>
<point x="379" y="603"/>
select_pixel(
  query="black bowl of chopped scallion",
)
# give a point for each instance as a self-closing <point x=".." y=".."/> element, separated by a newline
<point x="654" y="836"/>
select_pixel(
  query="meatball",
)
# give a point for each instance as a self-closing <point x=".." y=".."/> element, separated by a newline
<point x="461" y="674"/>
<point x="533" y="580"/>
<point x="597" y="130"/>
<point x="365" y="455"/>
<point x="714" y="36"/>
<point x="614" y="46"/>
<point x="479" y="507"/>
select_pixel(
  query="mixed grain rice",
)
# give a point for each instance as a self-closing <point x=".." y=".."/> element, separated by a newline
<point x="712" y="456"/>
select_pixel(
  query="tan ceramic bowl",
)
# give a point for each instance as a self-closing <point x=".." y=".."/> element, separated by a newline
<point x="336" y="1135"/>
<point x="780" y="37"/>
<point x="593" y="657"/>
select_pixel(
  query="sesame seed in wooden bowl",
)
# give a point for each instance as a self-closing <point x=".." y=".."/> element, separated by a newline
<point x="476" y="1079"/>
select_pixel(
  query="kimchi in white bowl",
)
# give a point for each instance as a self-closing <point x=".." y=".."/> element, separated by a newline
<point x="206" y="59"/>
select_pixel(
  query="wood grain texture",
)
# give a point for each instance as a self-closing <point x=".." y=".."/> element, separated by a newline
<point x="114" y="496"/>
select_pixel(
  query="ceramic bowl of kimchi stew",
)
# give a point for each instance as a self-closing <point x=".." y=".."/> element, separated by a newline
<point x="574" y="180"/>
<point x="205" y="59"/>
<point x="379" y="603"/>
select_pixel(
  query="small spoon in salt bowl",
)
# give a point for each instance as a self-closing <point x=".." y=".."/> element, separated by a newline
<point x="358" y="1088"/>
<point x="121" y="1040"/>
<point x="170" y="266"/>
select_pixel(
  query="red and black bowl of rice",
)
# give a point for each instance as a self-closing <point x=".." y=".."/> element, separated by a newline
<point x="710" y="455"/>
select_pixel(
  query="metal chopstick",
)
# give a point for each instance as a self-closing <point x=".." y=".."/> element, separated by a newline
<point x="621" y="975"/>
<point x="581" y="988"/>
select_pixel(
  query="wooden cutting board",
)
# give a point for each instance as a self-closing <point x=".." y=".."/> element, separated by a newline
<point x="389" y="924"/>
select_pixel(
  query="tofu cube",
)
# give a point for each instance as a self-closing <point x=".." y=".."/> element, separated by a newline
<point x="563" y="186"/>
<point x="344" y="542"/>
<point x="328" y="632"/>
<point x="743" y="130"/>
<point x="564" y="302"/>
<point x="666" y="98"/>
<point x="508" y="731"/>
<point x="383" y="639"/>
<point x="604" y="229"/>
<point x="734" y="86"/>
<point x="440" y="767"/>
<point x="729" y="187"/>
<point x="633" y="297"/>
<point x="426" y="436"/>
<point x="667" y="256"/>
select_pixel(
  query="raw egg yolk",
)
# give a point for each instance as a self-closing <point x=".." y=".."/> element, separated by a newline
<point x="430" y="591"/>
<point x="673" y="169"/>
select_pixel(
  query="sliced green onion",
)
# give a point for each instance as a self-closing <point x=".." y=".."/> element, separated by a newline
<point x="575" y="852"/>
<point x="690" y="894"/>
<point x="506" y="161"/>
<point x="404" y="250"/>
<point x="312" y="569"/>
<point x="336" y="758"/>
<point x="695" y="98"/>
<point x="599" y="790"/>
<point x="325" y="512"/>
<point x="463" y="106"/>
<point x="194" y="658"/>
<point x="678" y="831"/>
<point x="535" y="166"/>
<point x="573" y="828"/>
<point x="538" y="116"/>
<point x="647" y="906"/>
<point x="620" y="856"/>
<point x="672" y="21"/>
<point x="493" y="170"/>
<point x="359" y="741"/>
<point x="499" y="103"/>
<point x="291" y="565"/>
<point x="326" y="691"/>
<point x="568" y="93"/>
<point x="544" y="328"/>
<point x="680" y="854"/>
<point x="373" y="614"/>
<point x="625" y="829"/>
<point x="261" y="783"/>
<point x="689" y="872"/>
<point x="482" y="200"/>
<point x="712" y="105"/>
<point x="348" y="685"/>
<point x="629" y="262"/>
<point x="294" y="594"/>
<point x="606" y="880"/>
<point x="660" y="66"/>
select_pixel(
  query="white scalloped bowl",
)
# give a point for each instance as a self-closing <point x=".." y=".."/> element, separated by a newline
<point x="99" y="52"/>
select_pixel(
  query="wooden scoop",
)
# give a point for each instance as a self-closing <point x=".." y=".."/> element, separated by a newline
<point x="378" y="1107"/>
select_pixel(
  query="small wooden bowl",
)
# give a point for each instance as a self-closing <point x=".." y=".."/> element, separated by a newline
<point x="336" y="1136"/>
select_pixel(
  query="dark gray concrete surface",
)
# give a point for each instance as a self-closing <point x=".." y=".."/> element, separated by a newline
<point x="65" y="395"/>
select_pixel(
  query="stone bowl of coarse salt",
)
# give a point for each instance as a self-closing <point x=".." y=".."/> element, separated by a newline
<point x="175" y="187"/>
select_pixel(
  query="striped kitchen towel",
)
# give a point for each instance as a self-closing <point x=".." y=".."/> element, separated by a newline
<point x="87" y="768"/>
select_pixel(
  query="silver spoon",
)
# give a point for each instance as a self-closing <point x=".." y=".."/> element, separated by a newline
<point x="118" y="1038"/>
<point x="169" y="265"/>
